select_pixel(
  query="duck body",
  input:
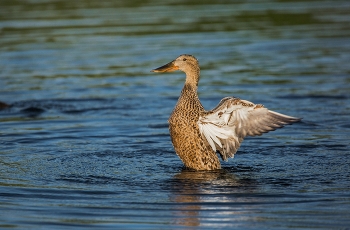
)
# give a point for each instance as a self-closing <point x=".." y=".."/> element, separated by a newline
<point x="197" y="135"/>
<point x="185" y="134"/>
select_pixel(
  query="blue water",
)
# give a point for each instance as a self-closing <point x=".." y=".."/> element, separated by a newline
<point x="83" y="131"/>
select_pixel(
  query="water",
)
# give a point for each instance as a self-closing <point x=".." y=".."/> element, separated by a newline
<point x="84" y="140"/>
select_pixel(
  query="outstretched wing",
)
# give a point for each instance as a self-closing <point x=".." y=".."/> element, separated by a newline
<point x="225" y="127"/>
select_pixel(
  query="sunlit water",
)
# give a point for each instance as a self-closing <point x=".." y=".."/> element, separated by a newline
<point x="85" y="143"/>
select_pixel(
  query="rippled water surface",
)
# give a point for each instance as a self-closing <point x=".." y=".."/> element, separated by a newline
<point x="83" y="125"/>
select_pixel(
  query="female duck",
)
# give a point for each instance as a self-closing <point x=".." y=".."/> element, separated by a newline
<point x="198" y="134"/>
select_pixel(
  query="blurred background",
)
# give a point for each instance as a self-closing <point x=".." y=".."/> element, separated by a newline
<point x="83" y="122"/>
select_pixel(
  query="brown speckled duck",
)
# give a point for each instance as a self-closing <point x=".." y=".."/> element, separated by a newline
<point x="197" y="135"/>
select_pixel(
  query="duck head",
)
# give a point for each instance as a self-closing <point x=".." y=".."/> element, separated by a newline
<point x="184" y="62"/>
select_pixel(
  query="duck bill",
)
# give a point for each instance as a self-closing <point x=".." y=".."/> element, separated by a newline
<point x="166" y="68"/>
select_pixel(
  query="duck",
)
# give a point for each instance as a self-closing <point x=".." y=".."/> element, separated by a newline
<point x="200" y="136"/>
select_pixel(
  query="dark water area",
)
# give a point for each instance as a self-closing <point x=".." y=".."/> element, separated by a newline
<point x="83" y="122"/>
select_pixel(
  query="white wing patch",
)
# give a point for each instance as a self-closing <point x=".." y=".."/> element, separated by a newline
<point x="213" y="132"/>
<point x="225" y="126"/>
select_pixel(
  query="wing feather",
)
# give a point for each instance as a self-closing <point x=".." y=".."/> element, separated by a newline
<point x="225" y="126"/>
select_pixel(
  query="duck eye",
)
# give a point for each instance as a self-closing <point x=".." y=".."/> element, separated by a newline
<point x="184" y="59"/>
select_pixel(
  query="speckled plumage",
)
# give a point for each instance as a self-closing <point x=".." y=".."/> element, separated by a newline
<point x="198" y="134"/>
<point x="184" y="131"/>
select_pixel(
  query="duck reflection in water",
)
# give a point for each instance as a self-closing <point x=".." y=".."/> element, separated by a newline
<point x="203" y="196"/>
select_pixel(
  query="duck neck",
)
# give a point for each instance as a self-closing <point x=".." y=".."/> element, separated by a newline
<point x="192" y="77"/>
<point x="189" y="91"/>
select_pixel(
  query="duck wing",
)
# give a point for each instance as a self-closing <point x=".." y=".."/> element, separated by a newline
<point x="225" y="126"/>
